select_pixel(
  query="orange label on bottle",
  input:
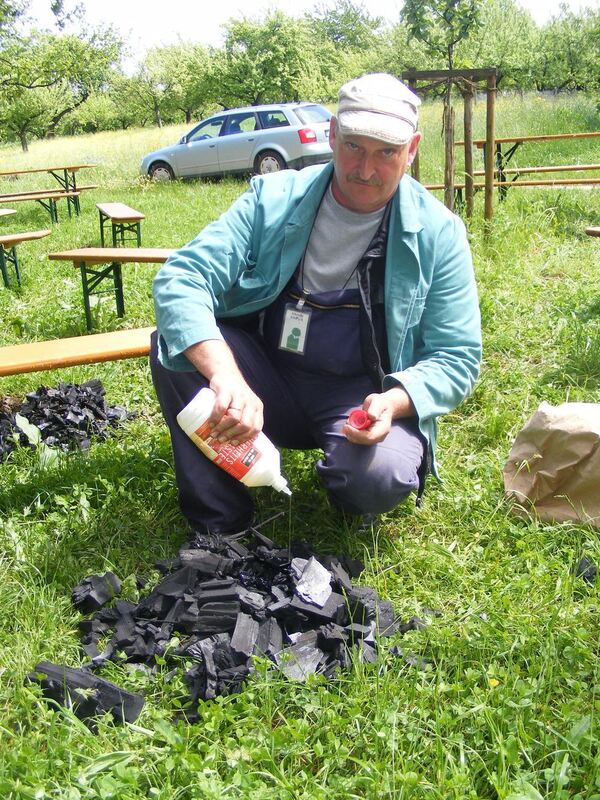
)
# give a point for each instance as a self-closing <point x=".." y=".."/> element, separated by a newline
<point x="237" y="459"/>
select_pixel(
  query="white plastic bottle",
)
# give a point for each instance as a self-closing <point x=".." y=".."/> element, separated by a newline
<point x="254" y="463"/>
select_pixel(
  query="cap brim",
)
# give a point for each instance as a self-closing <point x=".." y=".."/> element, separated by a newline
<point x="391" y="130"/>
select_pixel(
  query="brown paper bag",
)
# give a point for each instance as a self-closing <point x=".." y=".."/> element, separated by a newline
<point x="553" y="468"/>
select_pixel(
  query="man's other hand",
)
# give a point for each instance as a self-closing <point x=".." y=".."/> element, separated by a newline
<point x="382" y="409"/>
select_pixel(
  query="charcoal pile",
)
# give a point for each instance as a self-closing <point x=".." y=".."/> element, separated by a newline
<point x="226" y="599"/>
<point x="67" y="416"/>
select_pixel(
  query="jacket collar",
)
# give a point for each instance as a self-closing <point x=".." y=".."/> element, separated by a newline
<point x="405" y="203"/>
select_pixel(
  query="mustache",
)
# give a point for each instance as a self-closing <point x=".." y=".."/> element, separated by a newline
<point x="362" y="182"/>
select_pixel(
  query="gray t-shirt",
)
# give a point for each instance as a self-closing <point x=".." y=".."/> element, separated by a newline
<point x="338" y="240"/>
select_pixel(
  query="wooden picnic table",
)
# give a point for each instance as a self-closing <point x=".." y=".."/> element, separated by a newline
<point x="98" y="263"/>
<point x="65" y="175"/>
<point x="6" y="212"/>
<point x="593" y="231"/>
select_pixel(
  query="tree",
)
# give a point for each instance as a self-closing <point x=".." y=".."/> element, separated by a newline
<point x="505" y="38"/>
<point x="44" y="77"/>
<point x="268" y="61"/>
<point x="569" y="51"/>
<point x="441" y="25"/>
<point x="347" y="25"/>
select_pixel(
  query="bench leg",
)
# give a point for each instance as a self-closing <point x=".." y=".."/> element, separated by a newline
<point x="86" y="297"/>
<point x="118" y="281"/>
<point x="102" y="221"/>
<point x="3" y="267"/>
<point x="9" y="257"/>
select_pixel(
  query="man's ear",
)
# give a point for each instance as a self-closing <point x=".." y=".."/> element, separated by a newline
<point x="413" y="147"/>
<point x="332" y="127"/>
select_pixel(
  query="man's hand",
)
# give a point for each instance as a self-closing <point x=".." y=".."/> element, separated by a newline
<point x="237" y="415"/>
<point x="382" y="408"/>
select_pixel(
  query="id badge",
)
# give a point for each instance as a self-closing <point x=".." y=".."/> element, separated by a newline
<point x="294" y="329"/>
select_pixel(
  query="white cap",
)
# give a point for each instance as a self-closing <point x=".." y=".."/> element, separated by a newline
<point x="380" y="106"/>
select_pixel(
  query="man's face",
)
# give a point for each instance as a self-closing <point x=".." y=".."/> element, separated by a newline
<point x="367" y="171"/>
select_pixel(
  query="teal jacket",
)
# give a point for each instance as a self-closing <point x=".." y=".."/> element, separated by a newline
<point x="241" y="262"/>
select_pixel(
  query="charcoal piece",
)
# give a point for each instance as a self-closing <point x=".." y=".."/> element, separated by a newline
<point x="95" y="591"/>
<point x="274" y="558"/>
<point x="244" y="636"/>
<point x="386" y="619"/>
<point x="178" y="583"/>
<point x="340" y="578"/>
<point x="331" y="637"/>
<point x="586" y="570"/>
<point x="224" y="593"/>
<point x="413" y="624"/>
<point x="264" y="540"/>
<point x="314" y="585"/>
<point x="301" y="549"/>
<point x="202" y="677"/>
<point x="217" y="617"/>
<point x="251" y="601"/>
<point x="275" y="608"/>
<point x="155" y="606"/>
<point x="304" y="637"/>
<point x="409" y="658"/>
<point x="297" y="566"/>
<point x="236" y="550"/>
<point x="205" y="562"/>
<point x="92" y="628"/>
<point x="87" y="694"/>
<point x="357" y="632"/>
<point x="334" y="609"/>
<point x="230" y="680"/>
<point x="300" y="661"/>
<point x="166" y="565"/>
<point x="353" y="566"/>
<point x="279" y="594"/>
<point x="362" y="602"/>
<point x="366" y="652"/>
<point x="270" y="638"/>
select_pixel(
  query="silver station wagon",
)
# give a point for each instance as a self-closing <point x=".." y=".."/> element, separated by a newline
<point x="257" y="139"/>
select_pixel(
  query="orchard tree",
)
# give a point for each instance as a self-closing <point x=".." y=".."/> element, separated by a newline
<point x="568" y="54"/>
<point x="506" y="38"/>
<point x="347" y="25"/>
<point x="441" y="25"/>
<point x="45" y="77"/>
<point x="266" y="61"/>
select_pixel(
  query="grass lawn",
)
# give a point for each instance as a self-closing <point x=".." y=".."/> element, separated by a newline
<point x="509" y="704"/>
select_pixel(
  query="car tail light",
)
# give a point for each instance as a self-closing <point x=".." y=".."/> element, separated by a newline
<point x="307" y="135"/>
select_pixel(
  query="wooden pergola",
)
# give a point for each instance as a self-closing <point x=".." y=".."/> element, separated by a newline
<point x="466" y="80"/>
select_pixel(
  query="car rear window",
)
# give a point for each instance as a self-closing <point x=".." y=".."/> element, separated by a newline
<point x="315" y="113"/>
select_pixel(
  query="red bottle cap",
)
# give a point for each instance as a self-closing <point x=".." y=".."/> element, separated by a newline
<point x="359" y="419"/>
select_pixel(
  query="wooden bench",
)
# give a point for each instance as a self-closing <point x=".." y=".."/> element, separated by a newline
<point x="55" y="354"/>
<point x="8" y="251"/>
<point x="123" y="220"/>
<point x="6" y="212"/>
<point x="97" y="264"/>
<point x="46" y="199"/>
<point x="593" y="231"/>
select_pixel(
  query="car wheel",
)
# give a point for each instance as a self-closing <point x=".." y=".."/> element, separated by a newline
<point x="268" y="161"/>
<point x="161" y="171"/>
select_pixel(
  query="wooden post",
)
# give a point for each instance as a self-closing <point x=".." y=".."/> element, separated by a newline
<point x="468" y="145"/>
<point x="449" y="159"/>
<point x="490" y="147"/>
<point x="415" y="169"/>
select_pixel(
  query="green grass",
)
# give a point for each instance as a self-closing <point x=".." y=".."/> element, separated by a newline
<point x="509" y="704"/>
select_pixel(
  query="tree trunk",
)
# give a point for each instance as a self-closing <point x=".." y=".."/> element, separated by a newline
<point x="24" y="142"/>
<point x="449" y="160"/>
<point x="157" y="117"/>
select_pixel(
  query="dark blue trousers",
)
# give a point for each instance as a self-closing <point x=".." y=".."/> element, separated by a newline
<point x="302" y="410"/>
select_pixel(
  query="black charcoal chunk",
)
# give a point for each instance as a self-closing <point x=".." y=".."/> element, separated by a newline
<point x="95" y="591"/>
<point x="270" y="638"/>
<point x="87" y="694"/>
<point x="586" y="570"/>
<point x="409" y="658"/>
<point x="413" y="624"/>
<point x="334" y="609"/>
<point x="314" y="584"/>
<point x="300" y="661"/>
<point x="244" y="635"/>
